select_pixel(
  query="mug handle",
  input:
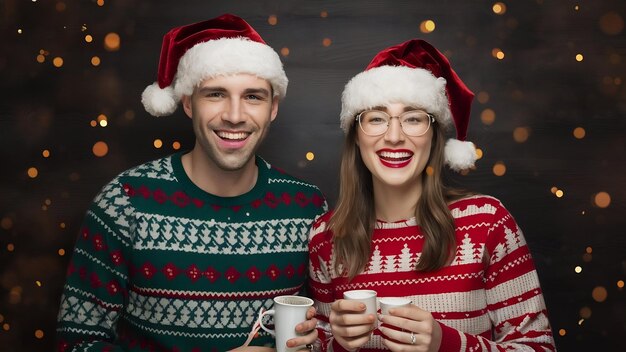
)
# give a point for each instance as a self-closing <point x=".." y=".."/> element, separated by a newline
<point x="267" y="312"/>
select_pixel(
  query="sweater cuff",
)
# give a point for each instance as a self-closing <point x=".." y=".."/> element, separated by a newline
<point x="450" y="339"/>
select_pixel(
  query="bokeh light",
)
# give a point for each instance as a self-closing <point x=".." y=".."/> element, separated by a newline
<point x="327" y="42"/>
<point x="521" y="134"/>
<point x="497" y="53"/>
<point x="599" y="294"/>
<point x="6" y="223"/>
<point x="39" y="334"/>
<point x="499" y="8"/>
<point x="112" y="42"/>
<point x="482" y="97"/>
<point x="562" y="332"/>
<point x="88" y="38"/>
<point x="324" y="14"/>
<point x="61" y="252"/>
<point x="427" y="26"/>
<point x="578" y="269"/>
<point x="579" y="57"/>
<point x="620" y="284"/>
<point x="284" y="51"/>
<point x="602" y="200"/>
<point x="57" y="61"/>
<point x="310" y="156"/>
<point x="45" y="153"/>
<point x="579" y="133"/>
<point x="32" y="172"/>
<point x="100" y="149"/>
<point x="157" y="143"/>
<point x="272" y="20"/>
<point x="499" y="169"/>
<point x="176" y="145"/>
<point x="611" y="23"/>
<point x="479" y="153"/>
<point x="585" y="312"/>
<point x="95" y="61"/>
<point x="488" y="116"/>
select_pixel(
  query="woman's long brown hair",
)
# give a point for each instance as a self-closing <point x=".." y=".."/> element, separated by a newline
<point x="354" y="217"/>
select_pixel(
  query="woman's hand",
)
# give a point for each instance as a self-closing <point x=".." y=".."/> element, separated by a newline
<point x="413" y="329"/>
<point x="349" y="325"/>
<point x="307" y="327"/>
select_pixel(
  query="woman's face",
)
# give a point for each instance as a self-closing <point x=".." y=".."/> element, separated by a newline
<point x="394" y="158"/>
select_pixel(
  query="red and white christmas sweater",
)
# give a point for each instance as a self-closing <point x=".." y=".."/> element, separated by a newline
<point x="487" y="299"/>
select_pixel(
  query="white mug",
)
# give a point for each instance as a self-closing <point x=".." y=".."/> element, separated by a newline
<point x="367" y="297"/>
<point x="387" y="303"/>
<point x="288" y="311"/>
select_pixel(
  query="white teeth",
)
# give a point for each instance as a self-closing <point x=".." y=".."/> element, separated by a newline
<point x="395" y="155"/>
<point x="232" y="135"/>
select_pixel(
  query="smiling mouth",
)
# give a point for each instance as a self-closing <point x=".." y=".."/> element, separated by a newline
<point x="395" y="157"/>
<point x="232" y="136"/>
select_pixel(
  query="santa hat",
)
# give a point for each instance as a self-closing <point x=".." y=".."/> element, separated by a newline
<point x="415" y="73"/>
<point x="225" y="45"/>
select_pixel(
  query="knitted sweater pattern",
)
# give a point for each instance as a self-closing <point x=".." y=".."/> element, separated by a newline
<point x="487" y="299"/>
<point x="160" y="265"/>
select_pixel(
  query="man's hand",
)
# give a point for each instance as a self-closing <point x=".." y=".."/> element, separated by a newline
<point x="308" y="328"/>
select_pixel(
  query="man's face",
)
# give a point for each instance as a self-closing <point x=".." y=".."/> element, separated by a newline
<point x="231" y="116"/>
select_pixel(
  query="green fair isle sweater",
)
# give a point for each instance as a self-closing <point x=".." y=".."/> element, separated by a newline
<point x="161" y="265"/>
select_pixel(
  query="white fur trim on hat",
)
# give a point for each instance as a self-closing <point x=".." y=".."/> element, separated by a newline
<point x="382" y="85"/>
<point x="157" y="101"/>
<point x="229" y="56"/>
<point x="459" y="155"/>
<point x="225" y="56"/>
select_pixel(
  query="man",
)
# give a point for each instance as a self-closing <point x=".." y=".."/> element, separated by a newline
<point x="181" y="254"/>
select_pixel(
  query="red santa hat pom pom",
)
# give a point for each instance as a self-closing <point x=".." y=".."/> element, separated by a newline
<point x="159" y="101"/>
<point x="459" y="155"/>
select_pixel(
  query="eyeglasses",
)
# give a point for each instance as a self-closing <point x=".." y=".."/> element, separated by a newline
<point x="414" y="123"/>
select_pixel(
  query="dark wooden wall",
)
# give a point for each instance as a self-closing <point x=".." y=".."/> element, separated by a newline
<point x="539" y="86"/>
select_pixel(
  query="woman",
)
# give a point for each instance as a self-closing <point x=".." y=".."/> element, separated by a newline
<point x="397" y="229"/>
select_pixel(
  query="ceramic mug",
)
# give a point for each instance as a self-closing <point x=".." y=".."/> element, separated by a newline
<point x="288" y="311"/>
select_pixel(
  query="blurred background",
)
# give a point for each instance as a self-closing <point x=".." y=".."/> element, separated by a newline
<point x="549" y="119"/>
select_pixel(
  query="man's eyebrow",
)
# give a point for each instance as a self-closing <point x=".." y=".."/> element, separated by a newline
<point x="211" y="89"/>
<point x="219" y="89"/>
<point x="262" y="91"/>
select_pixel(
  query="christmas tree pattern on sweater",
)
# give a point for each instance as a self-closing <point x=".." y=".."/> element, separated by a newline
<point x="487" y="299"/>
<point x="162" y="265"/>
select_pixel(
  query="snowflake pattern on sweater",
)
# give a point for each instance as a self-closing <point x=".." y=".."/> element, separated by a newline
<point x="487" y="299"/>
<point x="161" y="265"/>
